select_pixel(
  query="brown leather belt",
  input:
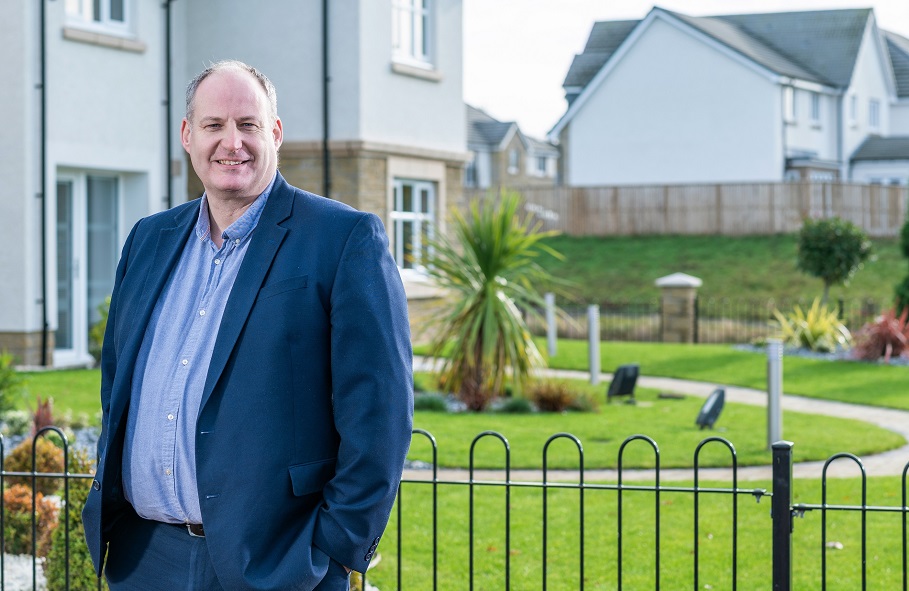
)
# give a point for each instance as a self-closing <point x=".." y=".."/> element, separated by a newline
<point x="195" y="530"/>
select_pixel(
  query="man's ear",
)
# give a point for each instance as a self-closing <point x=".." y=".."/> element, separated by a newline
<point x="184" y="134"/>
<point x="278" y="133"/>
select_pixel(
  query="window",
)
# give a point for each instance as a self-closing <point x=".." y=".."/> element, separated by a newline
<point x="874" y="113"/>
<point x="815" y="108"/>
<point x="853" y="109"/>
<point x="789" y="104"/>
<point x="110" y="14"/>
<point x="411" y="33"/>
<point x="514" y="161"/>
<point x="470" y="171"/>
<point x="541" y="165"/>
<point x="413" y="222"/>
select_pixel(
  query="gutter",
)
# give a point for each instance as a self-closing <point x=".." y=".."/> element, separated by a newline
<point x="42" y="85"/>
<point x="168" y="106"/>
<point x="326" y="79"/>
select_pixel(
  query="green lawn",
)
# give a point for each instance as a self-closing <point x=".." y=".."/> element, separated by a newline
<point x="677" y="540"/>
<point x="752" y="267"/>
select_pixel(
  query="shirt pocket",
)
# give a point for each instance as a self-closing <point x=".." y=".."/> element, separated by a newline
<point x="311" y="477"/>
<point x="283" y="286"/>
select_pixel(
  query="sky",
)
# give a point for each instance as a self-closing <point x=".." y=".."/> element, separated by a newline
<point x="517" y="52"/>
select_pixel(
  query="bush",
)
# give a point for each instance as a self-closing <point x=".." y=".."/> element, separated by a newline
<point x="49" y="458"/>
<point x="887" y="336"/>
<point x="430" y="402"/>
<point x="10" y="382"/>
<point x="96" y="332"/>
<point x="82" y="574"/>
<point x="515" y="406"/>
<point x="17" y="528"/>
<point x="552" y="396"/>
<point x="16" y="422"/>
<point x="818" y="329"/>
<point x="832" y="250"/>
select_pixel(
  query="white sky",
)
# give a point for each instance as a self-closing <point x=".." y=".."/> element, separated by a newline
<point x="517" y="52"/>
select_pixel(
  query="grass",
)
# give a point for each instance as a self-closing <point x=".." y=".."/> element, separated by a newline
<point x="601" y="556"/>
<point x="75" y="390"/>
<point x="846" y="381"/>
<point x="746" y="268"/>
<point x="670" y="422"/>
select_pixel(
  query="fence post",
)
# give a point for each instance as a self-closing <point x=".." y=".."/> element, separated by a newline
<point x="678" y="306"/>
<point x="593" y="340"/>
<point x="774" y="391"/>
<point x="550" y="324"/>
<point x="781" y="513"/>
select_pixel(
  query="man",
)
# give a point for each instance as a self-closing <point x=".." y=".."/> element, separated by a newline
<point x="256" y="382"/>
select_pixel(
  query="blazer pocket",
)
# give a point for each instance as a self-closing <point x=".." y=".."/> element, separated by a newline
<point x="311" y="477"/>
<point x="282" y="286"/>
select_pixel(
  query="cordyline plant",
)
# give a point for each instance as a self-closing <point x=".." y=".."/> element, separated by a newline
<point x="887" y="337"/>
<point x="490" y="270"/>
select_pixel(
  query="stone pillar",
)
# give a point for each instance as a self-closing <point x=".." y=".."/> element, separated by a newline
<point x="678" y="313"/>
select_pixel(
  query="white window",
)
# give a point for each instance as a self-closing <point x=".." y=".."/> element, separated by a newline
<point x="874" y="113"/>
<point x="107" y="14"/>
<point x="514" y="161"/>
<point x="541" y="165"/>
<point x="789" y="104"/>
<point x="853" y="109"/>
<point x="815" y="108"/>
<point x="413" y="222"/>
<point x="411" y="31"/>
<point x="470" y="171"/>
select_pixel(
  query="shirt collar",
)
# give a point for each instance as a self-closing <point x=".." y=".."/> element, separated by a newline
<point x="243" y="226"/>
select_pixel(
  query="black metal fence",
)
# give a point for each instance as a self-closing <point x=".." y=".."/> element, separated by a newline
<point x="719" y="320"/>
<point x="636" y="530"/>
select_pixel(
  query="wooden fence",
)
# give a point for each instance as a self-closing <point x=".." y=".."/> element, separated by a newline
<point x="727" y="209"/>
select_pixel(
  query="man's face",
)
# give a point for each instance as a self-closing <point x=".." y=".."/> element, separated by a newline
<point x="232" y="140"/>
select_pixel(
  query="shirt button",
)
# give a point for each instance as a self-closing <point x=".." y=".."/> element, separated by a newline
<point x="201" y="312"/>
<point x="185" y="361"/>
<point x="170" y="417"/>
<point x="217" y="261"/>
<point x="237" y="241"/>
<point x="167" y="472"/>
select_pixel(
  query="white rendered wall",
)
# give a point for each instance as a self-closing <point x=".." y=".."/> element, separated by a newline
<point x="883" y="171"/>
<point x="816" y="137"/>
<point x="868" y="82"/>
<point x="899" y="118"/>
<point x="677" y="110"/>
<point x="20" y="261"/>
<point x="406" y="110"/>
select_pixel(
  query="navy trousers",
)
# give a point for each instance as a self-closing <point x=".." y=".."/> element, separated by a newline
<point x="151" y="556"/>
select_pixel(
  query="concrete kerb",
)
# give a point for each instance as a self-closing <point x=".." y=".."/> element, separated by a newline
<point x="890" y="463"/>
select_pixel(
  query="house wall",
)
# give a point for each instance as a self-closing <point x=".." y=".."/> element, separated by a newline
<point x="868" y="82"/>
<point x="899" y="117"/>
<point x="805" y="135"/>
<point x="676" y="109"/>
<point x="886" y="172"/>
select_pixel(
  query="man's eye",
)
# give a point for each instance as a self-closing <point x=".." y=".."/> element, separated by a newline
<point x="248" y="125"/>
<point x="213" y="126"/>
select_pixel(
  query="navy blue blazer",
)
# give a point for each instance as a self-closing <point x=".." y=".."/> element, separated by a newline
<point x="307" y="411"/>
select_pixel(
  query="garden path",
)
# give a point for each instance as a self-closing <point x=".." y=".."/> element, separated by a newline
<point x="890" y="463"/>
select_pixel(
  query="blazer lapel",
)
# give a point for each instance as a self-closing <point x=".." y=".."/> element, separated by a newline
<point x="266" y="240"/>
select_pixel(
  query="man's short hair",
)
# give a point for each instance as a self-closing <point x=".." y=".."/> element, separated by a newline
<point x="263" y="80"/>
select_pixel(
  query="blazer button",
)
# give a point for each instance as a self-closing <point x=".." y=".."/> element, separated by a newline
<point x="96" y="485"/>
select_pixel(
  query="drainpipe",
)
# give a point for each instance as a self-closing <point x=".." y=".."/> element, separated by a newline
<point x="168" y="132"/>
<point x="326" y="79"/>
<point x="42" y="85"/>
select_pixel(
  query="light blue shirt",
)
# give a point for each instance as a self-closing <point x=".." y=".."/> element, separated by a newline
<point x="159" y="462"/>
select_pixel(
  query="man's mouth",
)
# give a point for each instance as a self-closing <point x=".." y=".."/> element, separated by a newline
<point x="230" y="162"/>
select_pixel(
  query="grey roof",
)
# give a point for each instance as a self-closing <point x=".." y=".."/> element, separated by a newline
<point x="483" y="129"/>
<point x="898" y="46"/>
<point x="817" y="46"/>
<point x="883" y="148"/>
<point x="541" y="148"/>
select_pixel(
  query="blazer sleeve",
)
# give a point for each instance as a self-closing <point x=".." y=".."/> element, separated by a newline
<point x="372" y="391"/>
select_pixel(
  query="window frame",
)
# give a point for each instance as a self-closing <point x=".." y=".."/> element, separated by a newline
<point x="815" y="108"/>
<point x="421" y="220"/>
<point x="789" y="109"/>
<point x="81" y="13"/>
<point x="874" y="114"/>
<point x="416" y="16"/>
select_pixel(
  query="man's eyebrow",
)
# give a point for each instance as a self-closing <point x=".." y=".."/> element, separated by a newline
<point x="210" y="119"/>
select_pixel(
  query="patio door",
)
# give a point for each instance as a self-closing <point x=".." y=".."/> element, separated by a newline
<point x="87" y="243"/>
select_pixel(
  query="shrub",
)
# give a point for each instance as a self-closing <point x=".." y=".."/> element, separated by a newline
<point x="818" y="329"/>
<point x="10" y="382"/>
<point x="49" y="458"/>
<point x="16" y="422"/>
<point x="515" y="406"/>
<point x="832" y="250"/>
<point x="552" y="396"/>
<point x="82" y="574"/>
<point x="430" y="402"/>
<point x="886" y="337"/>
<point x="96" y="332"/>
<point x="17" y="528"/>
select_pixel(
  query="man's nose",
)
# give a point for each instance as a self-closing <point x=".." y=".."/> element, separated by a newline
<point x="232" y="140"/>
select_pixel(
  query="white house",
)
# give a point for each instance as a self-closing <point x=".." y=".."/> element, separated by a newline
<point x="760" y="97"/>
<point x="372" y="109"/>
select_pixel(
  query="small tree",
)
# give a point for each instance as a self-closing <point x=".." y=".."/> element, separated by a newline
<point x="490" y="269"/>
<point x="832" y="250"/>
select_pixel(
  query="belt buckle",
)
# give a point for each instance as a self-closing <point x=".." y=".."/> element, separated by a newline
<point x="195" y="530"/>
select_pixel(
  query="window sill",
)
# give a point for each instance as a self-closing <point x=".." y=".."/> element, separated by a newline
<point x="815" y="126"/>
<point x="103" y="39"/>
<point x="416" y="72"/>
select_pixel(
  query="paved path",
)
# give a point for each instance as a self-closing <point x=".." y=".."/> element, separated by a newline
<point x="889" y="463"/>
